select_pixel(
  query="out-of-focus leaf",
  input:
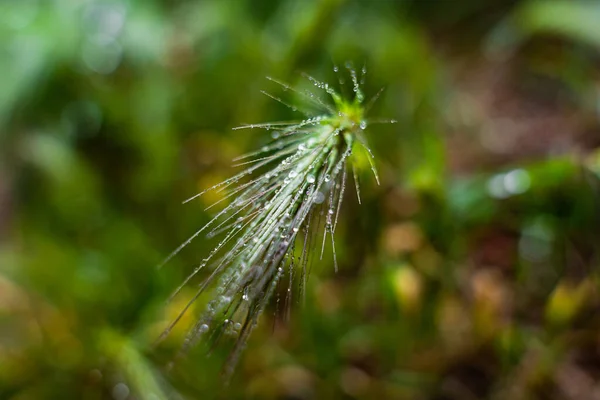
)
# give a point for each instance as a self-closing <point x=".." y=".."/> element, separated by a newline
<point x="577" y="20"/>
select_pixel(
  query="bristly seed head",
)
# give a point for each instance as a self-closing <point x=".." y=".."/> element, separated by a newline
<point x="290" y="190"/>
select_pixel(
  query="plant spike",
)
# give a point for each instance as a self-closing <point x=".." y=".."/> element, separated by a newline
<point x="271" y="211"/>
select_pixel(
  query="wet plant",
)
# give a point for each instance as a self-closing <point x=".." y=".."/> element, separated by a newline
<point x="283" y="208"/>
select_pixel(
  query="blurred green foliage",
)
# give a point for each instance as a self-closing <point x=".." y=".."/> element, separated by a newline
<point x="469" y="273"/>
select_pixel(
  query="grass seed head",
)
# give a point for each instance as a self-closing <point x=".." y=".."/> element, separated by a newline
<point x="283" y="207"/>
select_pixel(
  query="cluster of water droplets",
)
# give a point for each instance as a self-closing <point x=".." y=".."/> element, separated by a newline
<point x="356" y="86"/>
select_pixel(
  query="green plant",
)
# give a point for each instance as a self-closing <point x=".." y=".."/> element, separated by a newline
<point x="291" y="190"/>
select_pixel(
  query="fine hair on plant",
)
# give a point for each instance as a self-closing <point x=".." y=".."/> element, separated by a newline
<point x="280" y="211"/>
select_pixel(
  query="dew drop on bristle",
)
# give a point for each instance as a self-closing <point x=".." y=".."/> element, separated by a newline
<point x="319" y="198"/>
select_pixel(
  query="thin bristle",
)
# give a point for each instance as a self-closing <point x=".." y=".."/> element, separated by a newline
<point x="277" y="99"/>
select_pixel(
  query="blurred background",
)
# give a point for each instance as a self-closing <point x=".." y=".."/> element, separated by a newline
<point x="469" y="273"/>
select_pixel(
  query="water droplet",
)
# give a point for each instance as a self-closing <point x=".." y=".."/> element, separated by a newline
<point x="327" y="178"/>
<point x="319" y="198"/>
<point x="203" y="328"/>
<point x="275" y="135"/>
<point x="363" y="124"/>
<point x="302" y="147"/>
<point x="310" y="179"/>
<point x="293" y="174"/>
